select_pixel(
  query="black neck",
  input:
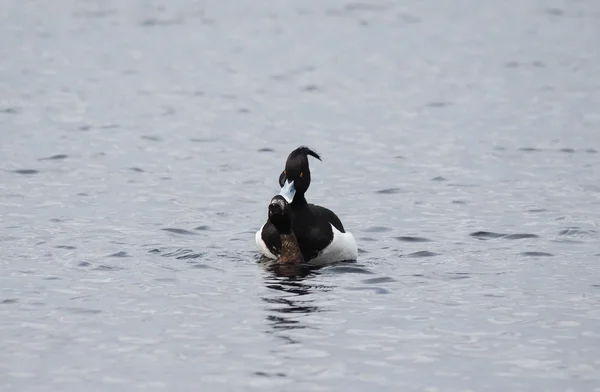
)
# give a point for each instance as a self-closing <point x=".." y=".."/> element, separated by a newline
<point x="299" y="200"/>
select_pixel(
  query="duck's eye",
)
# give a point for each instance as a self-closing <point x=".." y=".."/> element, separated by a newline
<point x="301" y="174"/>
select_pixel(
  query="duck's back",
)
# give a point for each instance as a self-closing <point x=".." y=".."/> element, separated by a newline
<point x="327" y="214"/>
<point x="321" y="235"/>
<point x="313" y="228"/>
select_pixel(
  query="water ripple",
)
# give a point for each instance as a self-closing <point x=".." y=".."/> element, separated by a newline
<point x="422" y="253"/>
<point x="69" y="247"/>
<point x="376" y="290"/>
<point x="389" y="191"/>
<point x="384" y="279"/>
<point x="175" y="230"/>
<point x="486" y="235"/>
<point x="537" y="254"/>
<point x="54" y="157"/>
<point x="26" y="171"/>
<point x="520" y="236"/>
<point x="348" y="270"/>
<point x="105" y="267"/>
<point x="412" y="239"/>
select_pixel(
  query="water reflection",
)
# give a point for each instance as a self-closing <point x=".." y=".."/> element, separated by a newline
<point x="290" y="298"/>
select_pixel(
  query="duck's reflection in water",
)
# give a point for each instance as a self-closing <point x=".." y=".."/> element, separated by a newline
<point x="290" y="298"/>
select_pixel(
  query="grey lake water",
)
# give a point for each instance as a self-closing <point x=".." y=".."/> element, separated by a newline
<point x="140" y="143"/>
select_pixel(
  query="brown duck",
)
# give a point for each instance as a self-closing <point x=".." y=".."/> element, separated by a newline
<point x="281" y="218"/>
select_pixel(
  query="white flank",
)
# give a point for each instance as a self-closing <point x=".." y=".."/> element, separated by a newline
<point x="342" y="248"/>
<point x="262" y="246"/>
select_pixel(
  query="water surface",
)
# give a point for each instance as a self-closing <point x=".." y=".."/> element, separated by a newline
<point x="141" y="143"/>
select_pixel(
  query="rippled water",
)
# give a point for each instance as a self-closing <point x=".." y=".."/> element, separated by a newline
<point x="141" y="142"/>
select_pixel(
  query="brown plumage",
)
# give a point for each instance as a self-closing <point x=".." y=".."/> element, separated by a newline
<point x="280" y="217"/>
<point x="290" y="251"/>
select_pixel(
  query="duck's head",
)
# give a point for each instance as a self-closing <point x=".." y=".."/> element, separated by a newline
<point x="280" y="215"/>
<point x="295" y="179"/>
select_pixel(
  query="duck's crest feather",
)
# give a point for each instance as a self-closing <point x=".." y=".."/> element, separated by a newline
<point x="303" y="150"/>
